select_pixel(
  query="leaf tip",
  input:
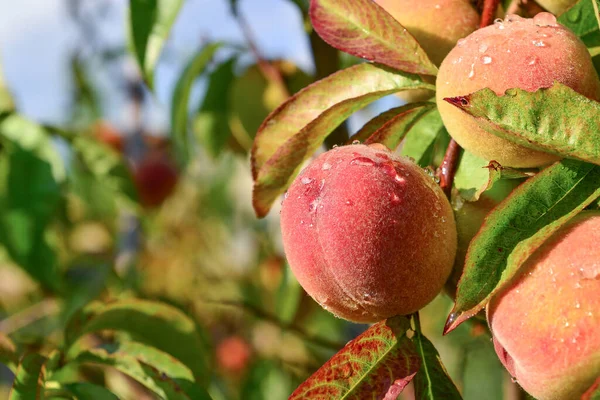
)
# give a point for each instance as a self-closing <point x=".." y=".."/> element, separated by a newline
<point x="461" y="102"/>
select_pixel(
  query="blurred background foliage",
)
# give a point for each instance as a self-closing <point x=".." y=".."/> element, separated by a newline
<point x="110" y="191"/>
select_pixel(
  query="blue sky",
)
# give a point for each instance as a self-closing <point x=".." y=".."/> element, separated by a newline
<point x="37" y="37"/>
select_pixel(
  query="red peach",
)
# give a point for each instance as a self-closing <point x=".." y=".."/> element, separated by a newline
<point x="518" y="53"/>
<point x="546" y="324"/>
<point x="367" y="234"/>
<point x="155" y="179"/>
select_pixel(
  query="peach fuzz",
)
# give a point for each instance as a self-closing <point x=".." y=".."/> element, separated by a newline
<point x="367" y="234"/>
<point x="437" y="25"/>
<point x="526" y="53"/>
<point x="546" y="325"/>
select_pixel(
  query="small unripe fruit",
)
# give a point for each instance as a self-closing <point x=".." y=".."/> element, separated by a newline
<point x="546" y="325"/>
<point x="155" y="179"/>
<point x="557" y="6"/>
<point x="368" y="235"/>
<point x="233" y="355"/>
<point x="519" y="53"/>
<point x="437" y="25"/>
<point x="106" y="133"/>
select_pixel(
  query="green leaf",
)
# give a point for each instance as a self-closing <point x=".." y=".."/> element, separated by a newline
<point x="289" y="296"/>
<point x="155" y="324"/>
<point x="582" y="20"/>
<point x="150" y="22"/>
<point x="377" y="364"/>
<point x="538" y="120"/>
<point x="181" y="96"/>
<point x="211" y="124"/>
<point x="89" y="391"/>
<point x="107" y="168"/>
<point x="29" y="379"/>
<point x="266" y="380"/>
<point x="420" y="140"/>
<point x="364" y="29"/>
<point x="299" y="126"/>
<point x="475" y="175"/>
<point x="517" y="227"/>
<point x="31" y="198"/>
<point x="151" y="377"/>
<point x="432" y="381"/>
<point x="390" y="127"/>
<point x="7" y="103"/>
<point x="483" y="374"/>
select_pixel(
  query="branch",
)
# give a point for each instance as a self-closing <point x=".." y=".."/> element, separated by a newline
<point x="489" y="12"/>
<point x="31" y="314"/>
<point x="266" y="68"/>
<point x="527" y="8"/>
<point x="448" y="167"/>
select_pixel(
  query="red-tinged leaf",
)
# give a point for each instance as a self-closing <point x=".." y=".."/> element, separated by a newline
<point x="363" y="29"/>
<point x="291" y="133"/>
<point x="390" y="127"/>
<point x="593" y="393"/>
<point x="432" y="381"/>
<point x="517" y="227"/>
<point x="376" y="365"/>
<point x="555" y="120"/>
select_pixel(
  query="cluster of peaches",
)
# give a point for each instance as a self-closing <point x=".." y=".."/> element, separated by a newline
<point x="370" y="235"/>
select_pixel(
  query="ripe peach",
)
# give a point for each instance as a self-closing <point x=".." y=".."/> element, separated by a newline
<point x="367" y="234"/>
<point x="155" y="179"/>
<point x="525" y="53"/>
<point x="546" y="325"/>
<point x="556" y="7"/>
<point x="437" y="25"/>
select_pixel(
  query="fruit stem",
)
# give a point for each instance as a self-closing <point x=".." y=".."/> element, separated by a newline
<point x="448" y="167"/>
<point x="489" y="12"/>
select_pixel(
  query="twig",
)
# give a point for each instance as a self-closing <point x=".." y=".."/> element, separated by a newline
<point x="261" y="314"/>
<point x="527" y="8"/>
<point x="448" y="167"/>
<point x="266" y="68"/>
<point x="489" y="12"/>
<point x="31" y="314"/>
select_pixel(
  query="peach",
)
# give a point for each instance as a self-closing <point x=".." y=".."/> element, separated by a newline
<point x="155" y="179"/>
<point x="367" y="234"/>
<point x="524" y="53"/>
<point x="557" y="6"/>
<point x="437" y="25"/>
<point x="546" y="324"/>
<point x="233" y="355"/>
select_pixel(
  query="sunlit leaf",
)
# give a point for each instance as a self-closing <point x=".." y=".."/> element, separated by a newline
<point x="364" y="29"/>
<point x="517" y="227"/>
<point x="29" y="379"/>
<point x="582" y="20"/>
<point x="420" y="140"/>
<point x="152" y="323"/>
<point x="556" y="120"/>
<point x="7" y="103"/>
<point x="150" y="22"/>
<point x="153" y="378"/>
<point x="377" y="364"/>
<point x="180" y="100"/>
<point x="298" y="127"/>
<point x="390" y="127"/>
